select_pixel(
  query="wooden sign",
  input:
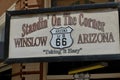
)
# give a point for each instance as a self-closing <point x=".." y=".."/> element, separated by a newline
<point x="59" y="34"/>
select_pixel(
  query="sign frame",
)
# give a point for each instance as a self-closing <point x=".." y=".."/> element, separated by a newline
<point x="9" y="14"/>
<point x="2" y="51"/>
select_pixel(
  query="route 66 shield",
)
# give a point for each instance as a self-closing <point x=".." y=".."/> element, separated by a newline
<point x="61" y="37"/>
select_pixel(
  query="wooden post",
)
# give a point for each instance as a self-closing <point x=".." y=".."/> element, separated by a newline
<point x="29" y="71"/>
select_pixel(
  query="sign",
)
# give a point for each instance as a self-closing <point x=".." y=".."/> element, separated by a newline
<point x="49" y="35"/>
<point x="61" y="37"/>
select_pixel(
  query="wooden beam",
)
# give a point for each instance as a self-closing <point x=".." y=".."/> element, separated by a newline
<point x="5" y="67"/>
<point x="92" y="76"/>
<point x="5" y="4"/>
<point x="105" y="75"/>
<point x="47" y="3"/>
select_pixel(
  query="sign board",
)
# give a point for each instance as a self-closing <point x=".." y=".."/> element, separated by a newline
<point x="67" y="33"/>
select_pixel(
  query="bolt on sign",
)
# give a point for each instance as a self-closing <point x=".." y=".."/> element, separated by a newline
<point x="85" y="32"/>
